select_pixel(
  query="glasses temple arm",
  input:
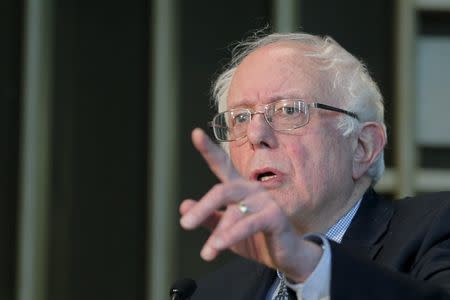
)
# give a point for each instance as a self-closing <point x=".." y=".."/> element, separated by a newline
<point x="332" y="108"/>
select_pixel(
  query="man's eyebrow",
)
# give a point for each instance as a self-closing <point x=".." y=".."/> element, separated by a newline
<point x="246" y="103"/>
<point x="292" y="95"/>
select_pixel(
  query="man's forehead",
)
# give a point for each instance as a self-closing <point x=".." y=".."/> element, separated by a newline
<point x="273" y="72"/>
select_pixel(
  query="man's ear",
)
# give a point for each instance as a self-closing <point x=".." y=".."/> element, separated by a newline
<point x="370" y="142"/>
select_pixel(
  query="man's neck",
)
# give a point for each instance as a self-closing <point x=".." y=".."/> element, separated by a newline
<point x="352" y="198"/>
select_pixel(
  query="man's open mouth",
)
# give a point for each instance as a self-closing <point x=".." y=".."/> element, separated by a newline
<point x="266" y="176"/>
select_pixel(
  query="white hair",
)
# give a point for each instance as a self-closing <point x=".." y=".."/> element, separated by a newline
<point x="348" y="77"/>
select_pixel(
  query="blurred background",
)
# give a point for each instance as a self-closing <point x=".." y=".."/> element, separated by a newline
<point x="97" y="102"/>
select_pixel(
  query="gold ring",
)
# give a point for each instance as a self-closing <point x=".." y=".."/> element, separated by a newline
<point x="243" y="208"/>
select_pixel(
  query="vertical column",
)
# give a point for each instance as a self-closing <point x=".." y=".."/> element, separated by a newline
<point x="35" y="157"/>
<point x="405" y="148"/>
<point x="163" y="162"/>
<point x="286" y="15"/>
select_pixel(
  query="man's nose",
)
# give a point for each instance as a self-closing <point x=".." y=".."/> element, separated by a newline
<point x="259" y="131"/>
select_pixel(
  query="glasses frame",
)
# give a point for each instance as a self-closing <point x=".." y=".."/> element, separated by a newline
<point x="264" y="112"/>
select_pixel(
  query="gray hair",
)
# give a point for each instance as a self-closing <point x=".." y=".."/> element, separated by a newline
<point x="348" y="78"/>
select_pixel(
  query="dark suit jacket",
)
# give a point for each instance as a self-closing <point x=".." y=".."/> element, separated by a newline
<point x="392" y="250"/>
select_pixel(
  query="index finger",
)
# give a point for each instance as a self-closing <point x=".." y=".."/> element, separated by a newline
<point x="218" y="161"/>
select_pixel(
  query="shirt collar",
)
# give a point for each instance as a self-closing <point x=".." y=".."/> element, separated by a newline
<point x="337" y="231"/>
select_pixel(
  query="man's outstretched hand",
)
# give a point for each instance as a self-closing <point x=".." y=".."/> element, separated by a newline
<point x="263" y="233"/>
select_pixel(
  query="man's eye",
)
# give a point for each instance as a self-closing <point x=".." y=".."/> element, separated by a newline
<point x="241" y="118"/>
<point x="289" y="110"/>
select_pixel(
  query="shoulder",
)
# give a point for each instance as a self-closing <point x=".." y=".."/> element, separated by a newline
<point x="422" y="207"/>
<point x="421" y="223"/>
<point x="407" y="223"/>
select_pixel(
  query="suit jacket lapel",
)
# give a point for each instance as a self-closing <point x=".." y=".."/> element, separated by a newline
<point x="259" y="284"/>
<point x="369" y="225"/>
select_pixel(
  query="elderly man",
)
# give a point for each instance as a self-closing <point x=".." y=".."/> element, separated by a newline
<point x="301" y="122"/>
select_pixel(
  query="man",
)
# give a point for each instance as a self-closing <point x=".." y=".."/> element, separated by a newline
<point x="302" y="124"/>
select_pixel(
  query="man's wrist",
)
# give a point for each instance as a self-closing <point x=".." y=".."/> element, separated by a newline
<point x="317" y="284"/>
<point x="311" y="254"/>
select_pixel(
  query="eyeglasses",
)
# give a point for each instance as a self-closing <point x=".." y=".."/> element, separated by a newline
<point x="282" y="115"/>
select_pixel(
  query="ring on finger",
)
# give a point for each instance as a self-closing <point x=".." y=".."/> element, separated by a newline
<point x="243" y="208"/>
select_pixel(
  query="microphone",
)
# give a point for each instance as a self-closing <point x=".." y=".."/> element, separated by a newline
<point x="182" y="289"/>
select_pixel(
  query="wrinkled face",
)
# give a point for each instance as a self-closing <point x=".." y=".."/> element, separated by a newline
<point x="308" y="170"/>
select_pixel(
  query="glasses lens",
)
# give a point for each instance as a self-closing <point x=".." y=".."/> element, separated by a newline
<point x="220" y="127"/>
<point x="231" y="125"/>
<point x="287" y="114"/>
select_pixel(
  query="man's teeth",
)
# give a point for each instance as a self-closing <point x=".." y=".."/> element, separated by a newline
<point x="267" y="177"/>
